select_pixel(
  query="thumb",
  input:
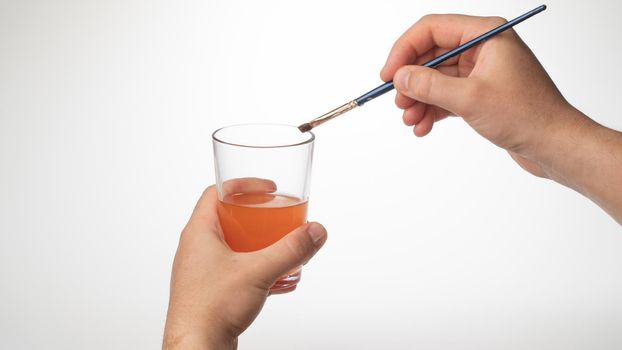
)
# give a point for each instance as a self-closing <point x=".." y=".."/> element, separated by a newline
<point x="291" y="251"/>
<point x="430" y="86"/>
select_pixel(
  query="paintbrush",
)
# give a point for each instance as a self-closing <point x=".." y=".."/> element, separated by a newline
<point x="388" y="86"/>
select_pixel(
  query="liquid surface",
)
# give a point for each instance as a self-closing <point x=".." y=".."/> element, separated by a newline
<point x="253" y="221"/>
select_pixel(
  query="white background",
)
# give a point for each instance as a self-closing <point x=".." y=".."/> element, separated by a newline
<point x="106" y="111"/>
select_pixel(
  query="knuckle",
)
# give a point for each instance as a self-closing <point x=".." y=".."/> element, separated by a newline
<point x="186" y="237"/>
<point x="428" y="18"/>
<point x="298" y="247"/>
<point x="498" y="20"/>
<point x="422" y="84"/>
<point x="209" y="190"/>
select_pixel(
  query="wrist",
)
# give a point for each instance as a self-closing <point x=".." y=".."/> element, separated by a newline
<point x="564" y="147"/>
<point x="586" y="157"/>
<point x="555" y="143"/>
<point x="178" y="339"/>
<point x="179" y="334"/>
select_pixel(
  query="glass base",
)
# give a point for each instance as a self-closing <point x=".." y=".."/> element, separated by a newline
<point x="286" y="283"/>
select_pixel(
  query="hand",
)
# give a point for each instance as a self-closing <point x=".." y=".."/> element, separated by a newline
<point x="499" y="88"/>
<point x="216" y="293"/>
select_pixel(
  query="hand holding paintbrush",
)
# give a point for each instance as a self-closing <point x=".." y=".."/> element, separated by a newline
<point x="388" y="86"/>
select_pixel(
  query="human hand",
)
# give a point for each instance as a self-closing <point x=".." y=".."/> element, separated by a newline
<point x="216" y="293"/>
<point x="499" y="88"/>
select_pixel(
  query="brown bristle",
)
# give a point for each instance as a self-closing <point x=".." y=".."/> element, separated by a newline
<point x="305" y="127"/>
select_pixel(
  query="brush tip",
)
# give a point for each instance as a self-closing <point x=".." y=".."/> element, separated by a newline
<point x="305" y="127"/>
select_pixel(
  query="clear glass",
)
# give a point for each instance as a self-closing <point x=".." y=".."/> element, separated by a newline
<point x="263" y="173"/>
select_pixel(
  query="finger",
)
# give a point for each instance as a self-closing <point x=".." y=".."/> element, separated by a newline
<point x="204" y="212"/>
<point x="433" y="87"/>
<point x="440" y="117"/>
<point x="203" y="227"/>
<point x="248" y="185"/>
<point x="288" y="253"/>
<point x="425" y="125"/>
<point x="452" y="71"/>
<point x="403" y="102"/>
<point x="444" y="31"/>
<point x="414" y="114"/>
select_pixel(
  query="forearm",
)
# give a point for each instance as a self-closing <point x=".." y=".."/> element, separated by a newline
<point x="586" y="157"/>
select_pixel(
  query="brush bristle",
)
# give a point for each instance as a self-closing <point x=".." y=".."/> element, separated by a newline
<point x="305" y="127"/>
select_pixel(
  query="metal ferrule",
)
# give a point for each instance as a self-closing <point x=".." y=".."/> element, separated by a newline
<point x="334" y="113"/>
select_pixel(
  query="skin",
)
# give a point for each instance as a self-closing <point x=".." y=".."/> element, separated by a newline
<point x="499" y="88"/>
<point x="216" y="293"/>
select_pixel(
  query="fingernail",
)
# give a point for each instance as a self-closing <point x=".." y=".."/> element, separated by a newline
<point x="316" y="232"/>
<point x="401" y="79"/>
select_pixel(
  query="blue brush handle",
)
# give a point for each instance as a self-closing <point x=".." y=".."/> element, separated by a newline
<point x="388" y="86"/>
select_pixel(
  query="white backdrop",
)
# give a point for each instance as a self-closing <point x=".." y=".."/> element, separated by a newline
<point x="106" y="111"/>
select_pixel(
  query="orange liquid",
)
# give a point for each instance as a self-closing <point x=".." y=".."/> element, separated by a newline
<point x="253" y="221"/>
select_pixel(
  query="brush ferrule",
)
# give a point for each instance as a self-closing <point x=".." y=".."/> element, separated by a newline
<point x="334" y="113"/>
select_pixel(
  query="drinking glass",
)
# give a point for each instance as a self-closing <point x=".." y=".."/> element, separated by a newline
<point x="263" y="173"/>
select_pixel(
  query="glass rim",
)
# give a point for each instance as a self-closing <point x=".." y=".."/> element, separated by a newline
<point x="219" y="140"/>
